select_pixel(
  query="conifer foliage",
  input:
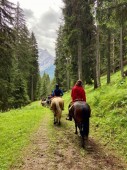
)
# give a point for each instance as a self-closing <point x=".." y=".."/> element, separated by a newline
<point x="92" y="41"/>
<point x="19" y="71"/>
<point x="77" y="43"/>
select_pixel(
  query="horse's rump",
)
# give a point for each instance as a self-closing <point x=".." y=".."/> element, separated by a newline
<point x="81" y="111"/>
<point x="57" y="104"/>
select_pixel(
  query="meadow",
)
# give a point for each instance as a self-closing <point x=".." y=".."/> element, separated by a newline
<point x="108" y="121"/>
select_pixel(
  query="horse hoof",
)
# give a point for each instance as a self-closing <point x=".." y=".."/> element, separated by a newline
<point x="83" y="146"/>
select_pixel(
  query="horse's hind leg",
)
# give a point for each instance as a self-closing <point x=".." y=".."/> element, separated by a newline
<point x="85" y="133"/>
<point x="58" y="120"/>
<point x="86" y="128"/>
<point x="84" y="141"/>
<point x="59" y="123"/>
<point x="55" y="120"/>
<point x="76" y="129"/>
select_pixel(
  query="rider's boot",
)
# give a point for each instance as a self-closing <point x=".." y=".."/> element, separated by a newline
<point x="69" y="118"/>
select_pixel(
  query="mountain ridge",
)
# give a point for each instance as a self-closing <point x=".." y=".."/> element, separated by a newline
<point x="46" y="63"/>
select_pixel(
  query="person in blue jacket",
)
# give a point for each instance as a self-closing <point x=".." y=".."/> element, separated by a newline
<point x="57" y="92"/>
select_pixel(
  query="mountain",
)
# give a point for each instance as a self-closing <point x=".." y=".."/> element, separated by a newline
<point x="50" y="71"/>
<point x="46" y="63"/>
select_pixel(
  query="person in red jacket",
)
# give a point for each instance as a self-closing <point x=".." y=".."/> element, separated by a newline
<point x="77" y="94"/>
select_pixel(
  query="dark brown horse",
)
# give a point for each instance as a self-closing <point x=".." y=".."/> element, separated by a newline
<point x="81" y="112"/>
<point x="57" y="105"/>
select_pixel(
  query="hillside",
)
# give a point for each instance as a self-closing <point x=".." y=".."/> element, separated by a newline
<point x="36" y="143"/>
<point x="109" y="113"/>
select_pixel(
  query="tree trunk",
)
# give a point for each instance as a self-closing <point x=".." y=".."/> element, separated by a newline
<point x="96" y="69"/>
<point x="79" y="58"/>
<point x="121" y="50"/>
<point x="98" y="60"/>
<point x="94" y="76"/>
<point x="113" y="54"/>
<point x="32" y="95"/>
<point x="108" y="53"/>
<point x="68" y="74"/>
<point x="108" y="58"/>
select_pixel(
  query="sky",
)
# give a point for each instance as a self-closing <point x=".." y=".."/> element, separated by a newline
<point x="43" y="17"/>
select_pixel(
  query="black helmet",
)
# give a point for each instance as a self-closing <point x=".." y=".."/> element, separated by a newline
<point x="57" y="86"/>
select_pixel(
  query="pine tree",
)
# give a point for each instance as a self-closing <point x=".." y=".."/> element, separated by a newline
<point x="78" y="32"/>
<point x="6" y="42"/>
<point x="62" y="58"/>
<point x="21" y="59"/>
<point x="34" y="69"/>
<point x="45" y="86"/>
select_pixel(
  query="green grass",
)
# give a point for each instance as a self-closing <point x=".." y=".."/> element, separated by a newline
<point x="15" y="129"/>
<point x="109" y="113"/>
<point x="108" y="121"/>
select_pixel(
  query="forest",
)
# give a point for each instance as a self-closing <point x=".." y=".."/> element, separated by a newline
<point x="91" y="42"/>
<point x="20" y="80"/>
<point x="91" y="45"/>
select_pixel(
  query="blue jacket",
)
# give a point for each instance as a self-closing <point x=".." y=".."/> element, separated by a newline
<point x="57" y="92"/>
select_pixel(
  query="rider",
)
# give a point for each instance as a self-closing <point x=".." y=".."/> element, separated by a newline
<point x="57" y="92"/>
<point x="49" y="99"/>
<point x="77" y="94"/>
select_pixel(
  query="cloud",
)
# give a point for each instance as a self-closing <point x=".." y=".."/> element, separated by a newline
<point x="50" y="18"/>
<point x="28" y="13"/>
<point x="43" y="18"/>
<point x="45" y="28"/>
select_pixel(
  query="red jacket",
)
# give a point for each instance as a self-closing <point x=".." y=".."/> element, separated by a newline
<point x="78" y="93"/>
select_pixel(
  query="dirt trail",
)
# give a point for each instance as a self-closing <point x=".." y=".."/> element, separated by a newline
<point x="58" y="148"/>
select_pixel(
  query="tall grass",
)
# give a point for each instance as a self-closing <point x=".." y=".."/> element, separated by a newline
<point x="109" y="113"/>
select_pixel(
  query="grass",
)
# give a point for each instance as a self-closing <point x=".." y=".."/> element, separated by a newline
<point x="15" y="129"/>
<point x="108" y="121"/>
<point x="109" y="113"/>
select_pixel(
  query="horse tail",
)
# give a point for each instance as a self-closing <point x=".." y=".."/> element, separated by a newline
<point x="86" y="112"/>
<point x="58" y="109"/>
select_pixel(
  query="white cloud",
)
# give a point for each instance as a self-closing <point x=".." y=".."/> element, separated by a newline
<point x="43" y="18"/>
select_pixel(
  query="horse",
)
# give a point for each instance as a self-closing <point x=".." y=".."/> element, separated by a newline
<point x="80" y="111"/>
<point x="57" y="105"/>
<point x="44" y="102"/>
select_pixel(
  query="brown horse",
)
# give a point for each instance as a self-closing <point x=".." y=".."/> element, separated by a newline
<point x="81" y="112"/>
<point x="57" y="105"/>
